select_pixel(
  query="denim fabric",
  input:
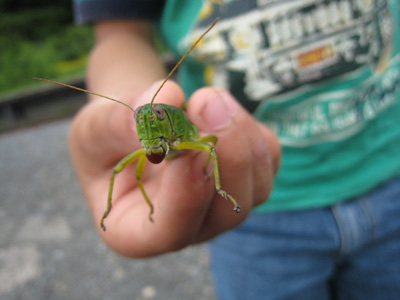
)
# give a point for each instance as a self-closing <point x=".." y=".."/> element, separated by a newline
<point x="348" y="251"/>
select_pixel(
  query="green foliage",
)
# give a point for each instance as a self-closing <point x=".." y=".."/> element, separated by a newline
<point x="20" y="61"/>
<point x="39" y="39"/>
<point x="74" y="42"/>
<point x="35" y="24"/>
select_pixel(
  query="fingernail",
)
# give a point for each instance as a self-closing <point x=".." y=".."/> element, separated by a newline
<point x="142" y="99"/>
<point x="218" y="110"/>
<point x="146" y="96"/>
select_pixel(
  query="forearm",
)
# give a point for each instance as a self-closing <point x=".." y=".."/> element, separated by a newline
<point x="124" y="61"/>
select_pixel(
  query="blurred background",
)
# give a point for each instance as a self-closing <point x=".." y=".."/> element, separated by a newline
<point x="49" y="248"/>
<point x="39" y="39"/>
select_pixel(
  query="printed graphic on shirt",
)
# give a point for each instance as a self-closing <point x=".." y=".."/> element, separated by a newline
<point x="269" y="52"/>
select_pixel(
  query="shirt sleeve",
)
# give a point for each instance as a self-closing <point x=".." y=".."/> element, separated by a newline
<point x="91" y="11"/>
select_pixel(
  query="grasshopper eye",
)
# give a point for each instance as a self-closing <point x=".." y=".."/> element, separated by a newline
<point x="137" y="112"/>
<point x="160" y="112"/>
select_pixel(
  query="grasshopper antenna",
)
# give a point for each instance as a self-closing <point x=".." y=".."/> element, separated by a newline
<point x="181" y="60"/>
<point x="86" y="91"/>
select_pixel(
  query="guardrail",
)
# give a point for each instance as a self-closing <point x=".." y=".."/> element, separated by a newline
<point x="40" y="104"/>
<point x="47" y="102"/>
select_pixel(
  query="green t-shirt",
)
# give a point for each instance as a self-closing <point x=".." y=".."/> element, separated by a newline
<point x="324" y="76"/>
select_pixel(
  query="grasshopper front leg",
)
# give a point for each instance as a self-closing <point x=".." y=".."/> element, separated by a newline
<point x="201" y="144"/>
<point x="137" y="155"/>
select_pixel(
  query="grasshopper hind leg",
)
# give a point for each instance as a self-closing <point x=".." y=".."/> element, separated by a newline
<point x="201" y="145"/>
<point x="208" y="139"/>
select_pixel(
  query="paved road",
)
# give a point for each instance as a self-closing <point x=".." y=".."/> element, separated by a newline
<point x="49" y="248"/>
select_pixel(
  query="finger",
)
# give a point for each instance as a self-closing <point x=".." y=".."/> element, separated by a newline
<point x="101" y="135"/>
<point x="181" y="198"/>
<point x="273" y="146"/>
<point x="242" y="152"/>
<point x="104" y="132"/>
<point x="109" y="125"/>
<point x="264" y="145"/>
<point x="241" y="133"/>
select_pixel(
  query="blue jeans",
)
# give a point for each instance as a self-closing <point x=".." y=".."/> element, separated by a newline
<point x="347" y="251"/>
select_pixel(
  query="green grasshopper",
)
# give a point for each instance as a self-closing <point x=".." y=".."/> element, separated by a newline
<point x="164" y="131"/>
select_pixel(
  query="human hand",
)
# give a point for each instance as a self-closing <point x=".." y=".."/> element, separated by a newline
<point x="187" y="207"/>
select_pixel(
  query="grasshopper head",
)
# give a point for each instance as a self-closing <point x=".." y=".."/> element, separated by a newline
<point x="154" y="131"/>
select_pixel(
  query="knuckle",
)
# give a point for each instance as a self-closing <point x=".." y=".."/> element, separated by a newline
<point x="262" y="192"/>
<point x="176" y="243"/>
<point x="237" y="156"/>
